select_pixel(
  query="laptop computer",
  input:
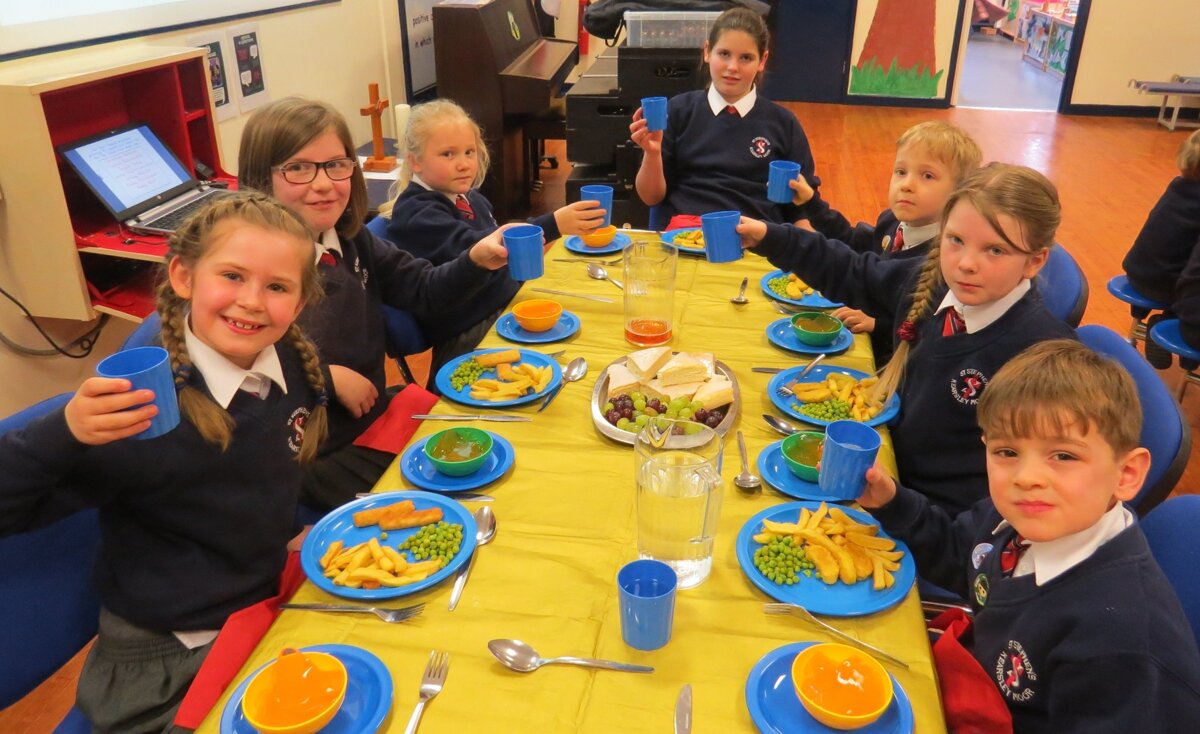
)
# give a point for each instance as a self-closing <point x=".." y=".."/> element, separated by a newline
<point x="137" y="178"/>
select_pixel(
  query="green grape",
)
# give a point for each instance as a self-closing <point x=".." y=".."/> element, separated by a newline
<point x="635" y="396"/>
<point x="607" y="407"/>
<point x="624" y="423"/>
<point x="639" y="404"/>
<point x="650" y="412"/>
<point x="692" y="428"/>
<point x="672" y="413"/>
<point x="695" y="405"/>
<point x="641" y="420"/>
<point x="686" y="413"/>
<point x="677" y="404"/>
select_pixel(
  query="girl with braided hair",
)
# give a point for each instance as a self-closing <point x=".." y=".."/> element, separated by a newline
<point x="194" y="523"/>
<point x="965" y="310"/>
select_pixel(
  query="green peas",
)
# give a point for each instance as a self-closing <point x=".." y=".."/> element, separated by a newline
<point x="468" y="371"/>
<point x="440" y="540"/>
<point x="780" y="560"/>
<point x="779" y="285"/>
<point x="826" y="410"/>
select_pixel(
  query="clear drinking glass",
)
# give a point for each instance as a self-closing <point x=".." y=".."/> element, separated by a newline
<point x="649" y="293"/>
<point x="679" y="488"/>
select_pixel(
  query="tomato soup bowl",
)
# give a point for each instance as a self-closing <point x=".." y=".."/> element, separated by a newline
<point x="600" y="237"/>
<point x="851" y="694"/>
<point x="791" y="444"/>
<point x="539" y="314"/>
<point x="815" y="328"/>
<point x="465" y="435"/>
<point x="268" y="716"/>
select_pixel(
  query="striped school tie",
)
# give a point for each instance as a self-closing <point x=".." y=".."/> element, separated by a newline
<point x="954" y="323"/>
<point x="897" y="241"/>
<point x="732" y="110"/>
<point x="464" y="206"/>
<point x="1011" y="555"/>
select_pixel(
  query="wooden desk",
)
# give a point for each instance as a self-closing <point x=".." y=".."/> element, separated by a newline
<point x="567" y="523"/>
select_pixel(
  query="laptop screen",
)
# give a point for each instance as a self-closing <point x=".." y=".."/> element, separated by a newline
<point x="129" y="168"/>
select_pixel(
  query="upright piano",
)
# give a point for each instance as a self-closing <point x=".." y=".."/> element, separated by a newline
<point x="492" y="60"/>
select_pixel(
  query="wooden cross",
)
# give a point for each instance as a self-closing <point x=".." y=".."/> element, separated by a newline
<point x="377" y="161"/>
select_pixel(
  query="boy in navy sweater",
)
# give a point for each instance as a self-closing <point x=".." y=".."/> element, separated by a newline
<point x="932" y="159"/>
<point x="1074" y="620"/>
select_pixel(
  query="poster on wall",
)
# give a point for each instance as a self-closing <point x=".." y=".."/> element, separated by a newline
<point x="251" y="81"/>
<point x="419" y="63"/>
<point x="899" y="57"/>
<point x="218" y="73"/>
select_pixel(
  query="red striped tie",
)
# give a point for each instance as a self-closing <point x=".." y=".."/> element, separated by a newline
<point x="954" y="323"/>
<point x="897" y="241"/>
<point x="1011" y="555"/>
<point x="329" y="258"/>
<point x="732" y="110"/>
<point x="464" y="206"/>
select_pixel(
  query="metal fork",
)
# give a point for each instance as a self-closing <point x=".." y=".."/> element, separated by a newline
<point x="798" y="611"/>
<point x="431" y="685"/>
<point x="785" y="391"/>
<point x="400" y="614"/>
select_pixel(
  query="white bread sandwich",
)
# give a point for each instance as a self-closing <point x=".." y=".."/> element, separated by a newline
<point x="681" y="369"/>
<point x="667" y="393"/>
<point x="645" y="363"/>
<point x="620" y="381"/>
<point x="716" y="392"/>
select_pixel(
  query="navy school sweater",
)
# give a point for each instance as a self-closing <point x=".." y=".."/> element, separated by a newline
<point x="1167" y="241"/>
<point x="1105" y="647"/>
<point x="189" y="533"/>
<point x="719" y="162"/>
<point x="936" y="437"/>
<point x="347" y="326"/>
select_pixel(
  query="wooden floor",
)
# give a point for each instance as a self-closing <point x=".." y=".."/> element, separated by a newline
<point x="1109" y="173"/>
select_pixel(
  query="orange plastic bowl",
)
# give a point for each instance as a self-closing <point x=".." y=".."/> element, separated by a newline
<point x="600" y="237"/>
<point x="537" y="315"/>
<point x="841" y="686"/>
<point x="292" y="696"/>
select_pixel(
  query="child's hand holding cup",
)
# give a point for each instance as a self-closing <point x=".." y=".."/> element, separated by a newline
<point x="101" y="413"/>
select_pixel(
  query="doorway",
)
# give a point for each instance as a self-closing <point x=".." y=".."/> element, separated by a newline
<point x="811" y="46"/>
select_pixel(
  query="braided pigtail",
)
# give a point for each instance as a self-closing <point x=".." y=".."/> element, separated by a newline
<point x="211" y="420"/>
<point x="928" y="283"/>
<point x="317" y="426"/>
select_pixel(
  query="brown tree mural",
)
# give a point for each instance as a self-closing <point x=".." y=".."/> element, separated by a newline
<point x="898" y="58"/>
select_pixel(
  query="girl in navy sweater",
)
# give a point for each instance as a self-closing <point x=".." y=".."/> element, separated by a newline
<point x="301" y="152"/>
<point x="437" y="212"/>
<point x="718" y="146"/>
<point x="963" y="312"/>
<point x="194" y="523"/>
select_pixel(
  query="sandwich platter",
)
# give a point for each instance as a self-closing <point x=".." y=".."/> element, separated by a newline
<point x="659" y="374"/>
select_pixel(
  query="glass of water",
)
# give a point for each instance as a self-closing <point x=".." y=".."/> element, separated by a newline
<point x="677" y="468"/>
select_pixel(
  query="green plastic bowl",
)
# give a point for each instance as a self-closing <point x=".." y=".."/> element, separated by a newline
<point x="823" y="330"/>
<point x="804" y="471"/>
<point x="461" y="468"/>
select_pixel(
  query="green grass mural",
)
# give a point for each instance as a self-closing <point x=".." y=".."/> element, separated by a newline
<point x="872" y="79"/>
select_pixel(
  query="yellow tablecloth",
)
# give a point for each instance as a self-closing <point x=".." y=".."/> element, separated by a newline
<point x="566" y="525"/>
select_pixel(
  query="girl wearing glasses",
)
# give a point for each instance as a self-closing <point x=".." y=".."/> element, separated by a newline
<point x="301" y="152"/>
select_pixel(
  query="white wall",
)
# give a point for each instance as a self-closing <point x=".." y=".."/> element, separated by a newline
<point x="330" y="52"/>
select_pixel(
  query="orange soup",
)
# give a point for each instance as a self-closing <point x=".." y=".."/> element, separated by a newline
<point x="453" y="446"/>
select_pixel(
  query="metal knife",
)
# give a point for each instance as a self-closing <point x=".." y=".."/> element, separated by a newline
<point x="451" y="417"/>
<point x="601" y="299"/>
<point x="460" y="496"/>
<point x="683" y="710"/>
<point x="768" y="370"/>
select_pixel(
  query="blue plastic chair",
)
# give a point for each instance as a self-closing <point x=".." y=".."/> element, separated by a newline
<point x="402" y="333"/>
<point x="51" y="609"/>
<point x="1165" y="431"/>
<point x="146" y="334"/>
<point x="1063" y="286"/>
<point x="1171" y="532"/>
<point x="1167" y="335"/>
<point x="1139" y="306"/>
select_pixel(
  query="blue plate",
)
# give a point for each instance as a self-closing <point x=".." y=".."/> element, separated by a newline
<point x="837" y="599"/>
<point x="669" y="238"/>
<point x="775" y="708"/>
<point x="508" y="328"/>
<point x="619" y="242"/>
<point x="818" y="374"/>
<point x="464" y="395"/>
<point x="368" y="695"/>
<point x="418" y="469"/>
<point x="812" y="300"/>
<point x="781" y="334"/>
<point x="773" y="469"/>
<point x="339" y="525"/>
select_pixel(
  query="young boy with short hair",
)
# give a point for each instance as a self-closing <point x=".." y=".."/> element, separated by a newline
<point x="932" y="159"/>
<point x="1075" y="622"/>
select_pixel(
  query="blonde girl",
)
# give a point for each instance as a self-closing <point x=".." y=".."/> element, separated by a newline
<point x="965" y="310"/>
<point x="194" y="523"/>
<point x="437" y="211"/>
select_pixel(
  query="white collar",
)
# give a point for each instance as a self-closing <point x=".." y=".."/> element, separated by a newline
<point x="417" y="180"/>
<point x="914" y="236"/>
<point x="718" y="104"/>
<point x="1051" y="559"/>
<point x="978" y="318"/>
<point x="224" y="378"/>
<point x="328" y="241"/>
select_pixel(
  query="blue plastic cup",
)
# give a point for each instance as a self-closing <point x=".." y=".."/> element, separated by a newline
<point x="850" y="449"/>
<point x="782" y="173"/>
<point x="148" y="368"/>
<point x="722" y="244"/>
<point x="524" y="245"/>
<point x="602" y="194"/>
<point x="654" y="110"/>
<point x="647" y="595"/>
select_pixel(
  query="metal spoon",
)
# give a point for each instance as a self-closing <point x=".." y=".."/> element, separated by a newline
<point x="485" y="522"/>
<point x="575" y="370"/>
<point x="782" y="425"/>
<point x="599" y="273"/>
<point x="521" y="657"/>
<point x="740" y="299"/>
<point x="746" y="481"/>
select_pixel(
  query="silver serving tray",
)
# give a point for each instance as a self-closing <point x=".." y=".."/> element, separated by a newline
<point x="600" y="396"/>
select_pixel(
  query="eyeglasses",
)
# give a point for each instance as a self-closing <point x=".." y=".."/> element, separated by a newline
<point x="302" y="172"/>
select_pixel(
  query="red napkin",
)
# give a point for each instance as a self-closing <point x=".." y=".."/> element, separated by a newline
<point x="970" y="699"/>
<point x="683" y="221"/>
<point x="237" y="639"/>
<point x="392" y="431"/>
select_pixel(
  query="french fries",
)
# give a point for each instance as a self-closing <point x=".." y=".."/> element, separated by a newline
<point x="513" y="379"/>
<point x="840" y="547"/>
<point x="692" y="238"/>
<point x="372" y="564"/>
<point x="857" y="394"/>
